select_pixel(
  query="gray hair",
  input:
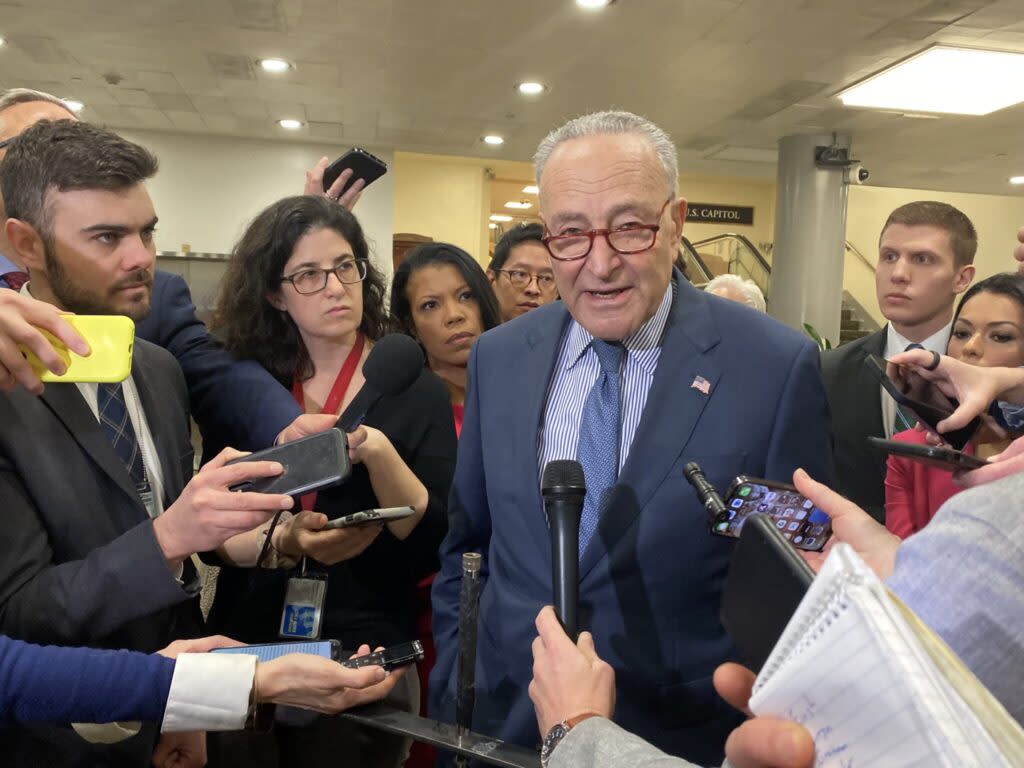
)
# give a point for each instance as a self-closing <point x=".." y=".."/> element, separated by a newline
<point x="610" y="122"/>
<point x="14" y="96"/>
<point x="747" y="289"/>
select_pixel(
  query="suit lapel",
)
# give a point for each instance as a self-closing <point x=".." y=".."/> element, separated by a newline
<point x="673" y="408"/>
<point x="542" y="344"/>
<point x="866" y="387"/>
<point x="162" y="421"/>
<point x="70" y="407"/>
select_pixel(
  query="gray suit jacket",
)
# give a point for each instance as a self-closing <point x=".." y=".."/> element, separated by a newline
<point x="855" y="401"/>
<point x="79" y="562"/>
<point x="598" y="741"/>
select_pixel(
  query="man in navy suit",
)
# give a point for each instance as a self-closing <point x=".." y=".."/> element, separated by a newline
<point x="634" y="373"/>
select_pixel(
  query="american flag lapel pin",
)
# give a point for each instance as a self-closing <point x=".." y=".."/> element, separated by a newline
<point x="701" y="384"/>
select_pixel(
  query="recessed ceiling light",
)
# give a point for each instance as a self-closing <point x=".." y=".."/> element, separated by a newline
<point x="531" y="88"/>
<point x="593" y="5"/>
<point x="290" y="124"/>
<point x="275" y="65"/>
<point x="492" y="225"/>
<point x="3" y="41"/>
<point x="74" y="105"/>
<point x="500" y="217"/>
<point x="961" y="81"/>
<point x="1017" y="179"/>
<point x="520" y="204"/>
<point x="494" y="140"/>
<point x="532" y="189"/>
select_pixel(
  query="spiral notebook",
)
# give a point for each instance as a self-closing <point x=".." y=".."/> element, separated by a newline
<point x="875" y="686"/>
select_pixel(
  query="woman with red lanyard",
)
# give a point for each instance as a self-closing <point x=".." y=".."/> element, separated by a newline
<point x="442" y="298"/>
<point x="302" y="298"/>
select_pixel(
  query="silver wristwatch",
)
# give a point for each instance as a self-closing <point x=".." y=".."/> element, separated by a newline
<point x="557" y="733"/>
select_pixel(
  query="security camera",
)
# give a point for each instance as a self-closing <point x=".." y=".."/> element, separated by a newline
<point x="857" y="174"/>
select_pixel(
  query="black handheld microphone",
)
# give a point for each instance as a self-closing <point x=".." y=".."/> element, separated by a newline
<point x="393" y="364"/>
<point x="705" y="491"/>
<point x="563" y="487"/>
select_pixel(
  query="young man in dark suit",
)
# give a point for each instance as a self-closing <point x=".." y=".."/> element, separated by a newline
<point x="925" y="260"/>
<point x="100" y="511"/>
<point x="635" y="373"/>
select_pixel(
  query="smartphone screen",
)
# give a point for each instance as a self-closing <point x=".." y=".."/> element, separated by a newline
<point x="796" y="518"/>
<point x="272" y="651"/>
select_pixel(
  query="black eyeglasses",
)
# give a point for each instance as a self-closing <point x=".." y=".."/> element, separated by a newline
<point x="520" y="278"/>
<point x="313" y="280"/>
<point x="632" y="238"/>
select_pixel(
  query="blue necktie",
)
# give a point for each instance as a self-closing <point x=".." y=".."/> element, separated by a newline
<point x="598" y="449"/>
<point x="117" y="426"/>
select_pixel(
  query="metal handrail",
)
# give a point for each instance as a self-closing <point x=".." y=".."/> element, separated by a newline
<point x="856" y="251"/>
<point x="695" y="258"/>
<point x="736" y="236"/>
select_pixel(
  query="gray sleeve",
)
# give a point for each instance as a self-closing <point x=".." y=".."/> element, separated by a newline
<point x="963" y="575"/>
<point x="597" y="741"/>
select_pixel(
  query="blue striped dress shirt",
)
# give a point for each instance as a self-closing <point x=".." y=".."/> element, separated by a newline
<point x="575" y="373"/>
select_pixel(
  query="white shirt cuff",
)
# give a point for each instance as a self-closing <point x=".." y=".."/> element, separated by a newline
<point x="209" y="692"/>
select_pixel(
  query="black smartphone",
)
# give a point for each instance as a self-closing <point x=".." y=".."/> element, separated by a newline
<point x="364" y="165"/>
<point x="922" y="397"/>
<point x="933" y="455"/>
<point x="369" y="516"/>
<point x="390" y="658"/>
<point x="310" y="463"/>
<point x="797" y="519"/>
<point x="766" y="582"/>
<point x="328" y="649"/>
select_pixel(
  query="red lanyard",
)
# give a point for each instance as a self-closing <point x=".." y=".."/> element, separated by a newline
<point x="336" y="395"/>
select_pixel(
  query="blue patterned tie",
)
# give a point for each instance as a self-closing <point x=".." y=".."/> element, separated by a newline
<point x="117" y="426"/>
<point x="598" y="449"/>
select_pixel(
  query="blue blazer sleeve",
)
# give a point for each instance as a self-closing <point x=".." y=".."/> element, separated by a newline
<point x="51" y="684"/>
<point x="235" y="402"/>
<point x="469" y="530"/>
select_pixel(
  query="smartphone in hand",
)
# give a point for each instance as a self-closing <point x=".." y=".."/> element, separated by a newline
<point x="369" y="517"/>
<point x="310" y="464"/>
<point x="364" y="165"/>
<point x="933" y="455"/>
<point x="797" y="519"/>
<point x="111" y="339"/>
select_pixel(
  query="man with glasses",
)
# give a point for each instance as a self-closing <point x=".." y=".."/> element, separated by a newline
<point x="520" y="271"/>
<point x="634" y="373"/>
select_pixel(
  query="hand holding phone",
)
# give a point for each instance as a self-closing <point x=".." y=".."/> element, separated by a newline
<point x="363" y="166"/>
<point x="22" y="322"/>
<point x="310" y="464"/>
<point x="797" y="519"/>
<point x="110" y="338"/>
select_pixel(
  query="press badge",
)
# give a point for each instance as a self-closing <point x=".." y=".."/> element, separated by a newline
<point x="303" y="605"/>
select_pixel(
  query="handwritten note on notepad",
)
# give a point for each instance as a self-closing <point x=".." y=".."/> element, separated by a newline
<point x="850" y="668"/>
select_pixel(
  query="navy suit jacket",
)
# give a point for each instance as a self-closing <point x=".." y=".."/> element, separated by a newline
<point x="651" y="579"/>
<point x="49" y="684"/>
<point x="235" y="402"/>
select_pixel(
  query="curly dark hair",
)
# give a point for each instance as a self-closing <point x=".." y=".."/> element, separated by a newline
<point x="244" y="319"/>
<point x="441" y="253"/>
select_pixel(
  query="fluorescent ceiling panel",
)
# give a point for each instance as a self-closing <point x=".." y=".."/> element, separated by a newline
<point x="958" y="81"/>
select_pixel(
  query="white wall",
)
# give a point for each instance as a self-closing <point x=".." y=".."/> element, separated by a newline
<point x="210" y="187"/>
<point x="996" y="219"/>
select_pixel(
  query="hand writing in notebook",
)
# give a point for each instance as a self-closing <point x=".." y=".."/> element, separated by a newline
<point x="850" y="525"/>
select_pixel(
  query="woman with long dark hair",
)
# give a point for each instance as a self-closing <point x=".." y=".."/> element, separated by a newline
<point x="442" y="298"/>
<point x="988" y="330"/>
<point x="302" y="298"/>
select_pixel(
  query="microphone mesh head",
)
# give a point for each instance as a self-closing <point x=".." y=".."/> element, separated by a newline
<point x="393" y="364"/>
<point x="563" y="474"/>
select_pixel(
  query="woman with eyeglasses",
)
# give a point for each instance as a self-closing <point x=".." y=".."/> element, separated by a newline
<point x="520" y="272"/>
<point x="302" y="298"/>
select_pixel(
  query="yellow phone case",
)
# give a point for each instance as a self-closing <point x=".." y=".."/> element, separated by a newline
<point x="111" y="339"/>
